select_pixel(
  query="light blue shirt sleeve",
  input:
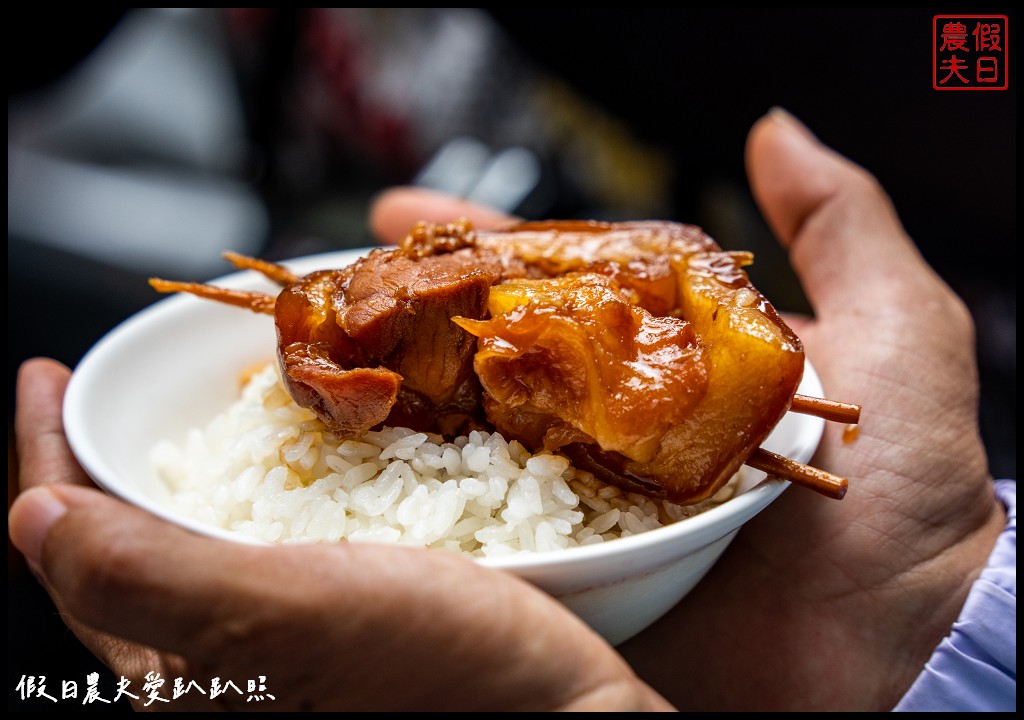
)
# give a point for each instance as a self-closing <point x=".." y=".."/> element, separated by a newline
<point x="975" y="668"/>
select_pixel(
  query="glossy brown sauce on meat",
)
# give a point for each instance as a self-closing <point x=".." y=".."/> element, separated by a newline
<point x="641" y="350"/>
<point x="572" y="359"/>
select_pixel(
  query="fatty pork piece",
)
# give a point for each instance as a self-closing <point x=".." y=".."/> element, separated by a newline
<point x="752" y="360"/>
<point x="571" y="359"/>
<point x="374" y="343"/>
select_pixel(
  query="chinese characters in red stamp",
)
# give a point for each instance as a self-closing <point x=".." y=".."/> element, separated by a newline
<point x="969" y="52"/>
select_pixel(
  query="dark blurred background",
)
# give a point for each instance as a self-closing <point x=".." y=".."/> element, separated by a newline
<point x="147" y="141"/>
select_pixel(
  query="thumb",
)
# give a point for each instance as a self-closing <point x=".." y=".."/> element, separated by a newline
<point x="43" y="453"/>
<point x="117" y="569"/>
<point x="845" y="241"/>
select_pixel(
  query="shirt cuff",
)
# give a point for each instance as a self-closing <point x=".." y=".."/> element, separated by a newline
<point x="975" y="668"/>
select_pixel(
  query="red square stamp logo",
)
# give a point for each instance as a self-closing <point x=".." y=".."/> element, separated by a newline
<point x="969" y="52"/>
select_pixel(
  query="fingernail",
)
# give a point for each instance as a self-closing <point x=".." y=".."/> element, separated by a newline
<point x="784" y="117"/>
<point x="30" y="520"/>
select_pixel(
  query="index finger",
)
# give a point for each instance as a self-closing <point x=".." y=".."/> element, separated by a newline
<point x="396" y="211"/>
<point x="44" y="456"/>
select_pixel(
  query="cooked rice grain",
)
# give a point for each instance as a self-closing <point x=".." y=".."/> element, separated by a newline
<point x="269" y="469"/>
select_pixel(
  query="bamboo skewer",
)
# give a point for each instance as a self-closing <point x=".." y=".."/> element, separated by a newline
<point x="278" y="273"/>
<point x="778" y="466"/>
<point x="256" y="301"/>
<point x="827" y="409"/>
<point x="813" y="478"/>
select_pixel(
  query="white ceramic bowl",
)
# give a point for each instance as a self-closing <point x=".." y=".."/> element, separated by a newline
<point x="176" y="365"/>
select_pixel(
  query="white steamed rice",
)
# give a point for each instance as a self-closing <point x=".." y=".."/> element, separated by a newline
<point x="269" y="469"/>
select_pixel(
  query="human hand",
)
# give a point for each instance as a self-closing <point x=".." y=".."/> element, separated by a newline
<point x="331" y="627"/>
<point x="837" y="605"/>
<point x="821" y="604"/>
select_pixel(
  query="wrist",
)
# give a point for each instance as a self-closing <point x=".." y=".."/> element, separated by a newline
<point x="974" y="667"/>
